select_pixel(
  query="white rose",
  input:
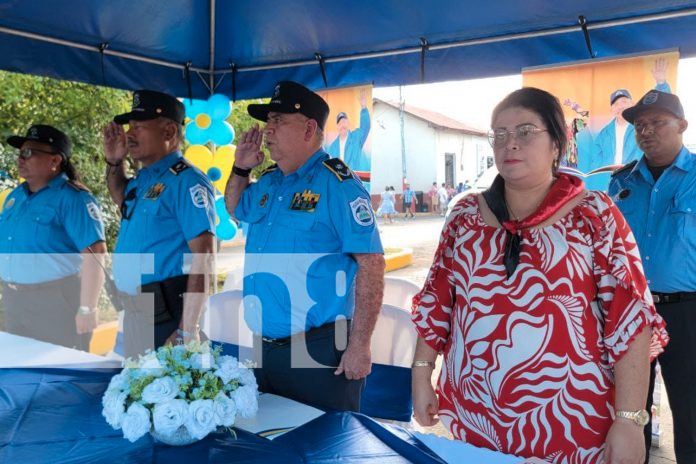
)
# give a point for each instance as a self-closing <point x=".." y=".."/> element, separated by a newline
<point x="160" y="390"/>
<point x="136" y="422"/>
<point x="246" y="400"/>
<point x="248" y="378"/>
<point x="201" y="418"/>
<point x="169" y="416"/>
<point x="203" y="361"/>
<point x="114" y="403"/>
<point x="225" y="410"/>
<point x="229" y="369"/>
<point x="118" y="381"/>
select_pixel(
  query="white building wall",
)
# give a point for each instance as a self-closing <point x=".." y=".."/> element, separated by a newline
<point x="425" y="151"/>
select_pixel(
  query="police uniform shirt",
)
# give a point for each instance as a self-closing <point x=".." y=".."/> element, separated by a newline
<point x="662" y="216"/>
<point x="166" y="205"/>
<point x="302" y="229"/>
<point x="42" y="234"/>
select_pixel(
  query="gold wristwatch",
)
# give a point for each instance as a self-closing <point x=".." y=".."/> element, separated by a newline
<point x="640" y="417"/>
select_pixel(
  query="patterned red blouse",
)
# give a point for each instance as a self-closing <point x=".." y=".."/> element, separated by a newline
<point x="527" y="366"/>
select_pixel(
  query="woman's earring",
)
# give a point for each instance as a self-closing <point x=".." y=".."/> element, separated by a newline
<point x="53" y="169"/>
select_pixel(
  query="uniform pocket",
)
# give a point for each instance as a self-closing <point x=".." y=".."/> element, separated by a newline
<point x="45" y="219"/>
<point x="683" y="214"/>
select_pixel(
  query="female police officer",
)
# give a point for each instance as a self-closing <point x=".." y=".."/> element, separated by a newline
<point x="47" y="224"/>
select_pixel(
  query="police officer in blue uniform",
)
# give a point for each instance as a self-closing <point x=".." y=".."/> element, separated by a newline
<point x="657" y="195"/>
<point x="50" y="229"/>
<point x="314" y="259"/>
<point x="166" y="240"/>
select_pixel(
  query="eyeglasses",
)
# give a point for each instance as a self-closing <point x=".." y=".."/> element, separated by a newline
<point x="126" y="210"/>
<point x="26" y="153"/>
<point x="524" y="134"/>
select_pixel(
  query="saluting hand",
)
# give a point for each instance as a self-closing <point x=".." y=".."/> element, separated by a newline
<point x="115" y="143"/>
<point x="248" y="154"/>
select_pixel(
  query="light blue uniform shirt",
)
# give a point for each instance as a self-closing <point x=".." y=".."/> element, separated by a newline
<point x="662" y="216"/>
<point x="42" y="234"/>
<point x="167" y="204"/>
<point x="303" y="228"/>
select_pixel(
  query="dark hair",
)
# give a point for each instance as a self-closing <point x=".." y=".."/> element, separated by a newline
<point x="546" y="106"/>
<point x="69" y="169"/>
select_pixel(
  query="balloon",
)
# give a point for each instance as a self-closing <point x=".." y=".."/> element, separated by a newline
<point x="226" y="229"/>
<point x="195" y="107"/>
<point x="224" y="159"/>
<point x="214" y="174"/>
<point x="219" y="106"/>
<point x="203" y="121"/>
<point x="195" y="135"/>
<point x="221" y="133"/>
<point x="200" y="156"/>
<point x="3" y="197"/>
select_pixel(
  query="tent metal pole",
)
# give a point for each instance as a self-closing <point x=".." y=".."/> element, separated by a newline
<point x="211" y="65"/>
<point x="97" y="49"/>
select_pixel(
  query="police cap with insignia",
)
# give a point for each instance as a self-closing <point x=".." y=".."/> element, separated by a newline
<point x="149" y="104"/>
<point x="655" y="99"/>
<point x="291" y="97"/>
<point x="59" y="142"/>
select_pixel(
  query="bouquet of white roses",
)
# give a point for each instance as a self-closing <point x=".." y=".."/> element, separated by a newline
<point x="190" y="389"/>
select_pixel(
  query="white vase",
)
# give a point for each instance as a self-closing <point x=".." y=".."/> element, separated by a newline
<point x="180" y="437"/>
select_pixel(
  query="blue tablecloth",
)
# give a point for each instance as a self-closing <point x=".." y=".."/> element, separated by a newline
<point x="54" y="415"/>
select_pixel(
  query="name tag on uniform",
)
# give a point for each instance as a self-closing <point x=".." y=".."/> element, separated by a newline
<point x="154" y="192"/>
<point x="304" y="201"/>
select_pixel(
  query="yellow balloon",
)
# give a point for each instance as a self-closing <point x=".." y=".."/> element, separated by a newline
<point x="200" y="156"/>
<point x="223" y="160"/>
<point x="203" y="121"/>
<point x="3" y="196"/>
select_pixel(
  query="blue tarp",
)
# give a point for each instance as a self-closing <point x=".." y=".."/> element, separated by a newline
<point x="147" y="43"/>
<point x="54" y="415"/>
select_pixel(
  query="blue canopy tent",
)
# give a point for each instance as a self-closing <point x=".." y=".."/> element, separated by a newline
<point x="242" y="48"/>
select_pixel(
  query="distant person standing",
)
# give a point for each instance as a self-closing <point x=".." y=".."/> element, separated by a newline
<point x="432" y="194"/>
<point x="442" y="198"/>
<point x="409" y="200"/>
<point x="386" y="207"/>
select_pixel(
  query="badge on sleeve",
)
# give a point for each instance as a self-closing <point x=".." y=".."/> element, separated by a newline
<point x="199" y="196"/>
<point x="93" y="211"/>
<point x="154" y="192"/>
<point x="362" y="212"/>
<point x="304" y="201"/>
<point x="624" y="194"/>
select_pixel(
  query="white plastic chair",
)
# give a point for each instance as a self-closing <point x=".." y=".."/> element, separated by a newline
<point x="399" y="292"/>
<point x="394" y="339"/>
<point x="224" y="320"/>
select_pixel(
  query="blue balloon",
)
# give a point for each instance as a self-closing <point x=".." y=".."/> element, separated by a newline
<point x="221" y="132"/>
<point x="219" y="106"/>
<point x="214" y="174"/>
<point x="226" y="228"/>
<point x="195" y="107"/>
<point x="195" y="135"/>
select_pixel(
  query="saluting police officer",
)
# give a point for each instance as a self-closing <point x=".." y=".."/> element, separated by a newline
<point x="313" y="207"/>
<point x="50" y="228"/>
<point x="657" y="195"/>
<point x="168" y="215"/>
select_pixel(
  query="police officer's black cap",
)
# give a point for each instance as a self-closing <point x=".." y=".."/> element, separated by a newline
<point x="149" y="104"/>
<point x="59" y="141"/>
<point x="655" y="99"/>
<point x="291" y="97"/>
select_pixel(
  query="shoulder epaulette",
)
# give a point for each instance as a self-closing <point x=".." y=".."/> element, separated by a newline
<point x="269" y="169"/>
<point x="77" y="186"/>
<point x="625" y="167"/>
<point x="339" y="168"/>
<point x="179" y="167"/>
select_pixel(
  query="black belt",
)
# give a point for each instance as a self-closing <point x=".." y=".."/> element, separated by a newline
<point x="676" y="297"/>
<point x="30" y="287"/>
<point x="314" y="331"/>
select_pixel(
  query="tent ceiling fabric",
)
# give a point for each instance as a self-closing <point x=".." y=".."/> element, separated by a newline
<point x="147" y="43"/>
